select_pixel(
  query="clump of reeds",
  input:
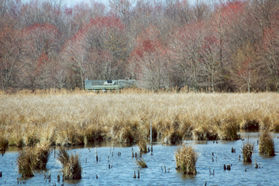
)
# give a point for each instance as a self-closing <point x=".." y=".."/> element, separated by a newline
<point x="127" y="131"/>
<point x="247" y="151"/>
<point x="154" y="133"/>
<point x="228" y="130"/>
<point x="3" y="144"/>
<point x="71" y="165"/>
<point x="173" y="138"/>
<point x="275" y="126"/>
<point x="31" y="139"/>
<point x="141" y="163"/>
<point x="18" y="142"/>
<point x="185" y="129"/>
<point x="250" y="125"/>
<point x="142" y="146"/>
<point x="126" y="136"/>
<point x="266" y="123"/>
<point x="40" y="157"/>
<point x="63" y="156"/>
<point x="186" y="159"/>
<point x="95" y="134"/>
<point x="266" y="144"/>
<point x="73" y="133"/>
<point x="32" y="159"/>
<point x="24" y="162"/>
<point x="204" y="132"/>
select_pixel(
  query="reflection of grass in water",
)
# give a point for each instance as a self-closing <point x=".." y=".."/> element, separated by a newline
<point x="187" y="176"/>
<point x="75" y="118"/>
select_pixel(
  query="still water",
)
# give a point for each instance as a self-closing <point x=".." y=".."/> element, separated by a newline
<point x="117" y="167"/>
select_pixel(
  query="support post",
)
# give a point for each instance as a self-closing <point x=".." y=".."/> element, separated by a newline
<point x="151" y="138"/>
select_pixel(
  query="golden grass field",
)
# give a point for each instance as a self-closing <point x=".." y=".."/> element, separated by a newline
<point x="77" y="118"/>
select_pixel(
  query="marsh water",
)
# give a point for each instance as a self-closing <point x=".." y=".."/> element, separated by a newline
<point x="116" y="166"/>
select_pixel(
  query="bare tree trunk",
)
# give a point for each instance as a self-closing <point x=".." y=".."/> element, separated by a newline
<point x="249" y="81"/>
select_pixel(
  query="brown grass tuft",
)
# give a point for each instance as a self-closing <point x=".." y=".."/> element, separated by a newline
<point x="24" y="162"/>
<point x="129" y="133"/>
<point x="126" y="136"/>
<point x="186" y="159"/>
<point x="205" y="132"/>
<point x="247" y="151"/>
<point x="266" y="144"/>
<point x="228" y="129"/>
<point x="141" y="163"/>
<point x="95" y="134"/>
<point x="63" y="156"/>
<point x="142" y="146"/>
<point x="173" y="138"/>
<point x="40" y="156"/>
<point x="32" y="140"/>
<point x="3" y="144"/>
<point x="32" y="159"/>
<point x="71" y="165"/>
<point x="275" y="126"/>
<point x="250" y="125"/>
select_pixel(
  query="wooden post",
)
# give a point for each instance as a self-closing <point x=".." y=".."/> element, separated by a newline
<point x="151" y="138"/>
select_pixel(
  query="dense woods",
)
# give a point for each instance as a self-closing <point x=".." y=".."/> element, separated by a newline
<point x="219" y="46"/>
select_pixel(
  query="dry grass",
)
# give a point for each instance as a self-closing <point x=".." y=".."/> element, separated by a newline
<point x="141" y="163"/>
<point x="40" y="156"/>
<point x="205" y="132"/>
<point x="3" y="144"/>
<point x="247" y="152"/>
<point x="32" y="159"/>
<point x="24" y="162"/>
<point x="142" y="146"/>
<point x="71" y="165"/>
<point x="68" y="118"/>
<point x="228" y="129"/>
<point x="266" y="144"/>
<point x="250" y="125"/>
<point x="186" y="159"/>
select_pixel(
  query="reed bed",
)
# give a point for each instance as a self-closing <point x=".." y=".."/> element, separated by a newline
<point x="73" y="118"/>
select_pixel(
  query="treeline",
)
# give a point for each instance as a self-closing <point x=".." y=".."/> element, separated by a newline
<point x="222" y="46"/>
